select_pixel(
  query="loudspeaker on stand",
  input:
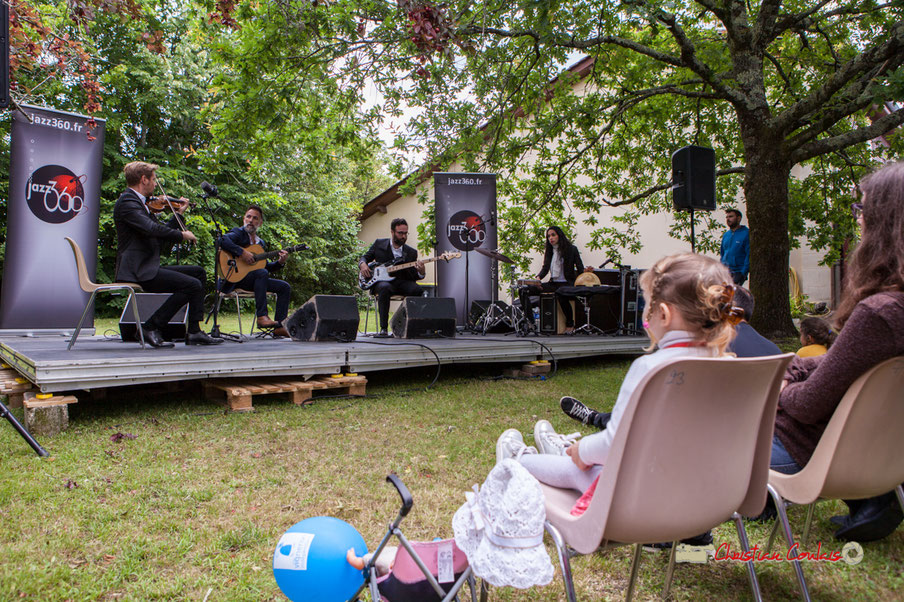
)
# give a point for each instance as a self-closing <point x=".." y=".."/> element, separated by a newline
<point x="694" y="178"/>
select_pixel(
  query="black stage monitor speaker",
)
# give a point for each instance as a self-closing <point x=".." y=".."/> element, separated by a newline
<point x="325" y="318"/>
<point x="419" y="317"/>
<point x="548" y="313"/>
<point x="148" y="303"/>
<point x="694" y="178"/>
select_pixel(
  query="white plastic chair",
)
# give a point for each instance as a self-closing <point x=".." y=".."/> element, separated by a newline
<point x="87" y="285"/>
<point x="691" y="452"/>
<point x="860" y="454"/>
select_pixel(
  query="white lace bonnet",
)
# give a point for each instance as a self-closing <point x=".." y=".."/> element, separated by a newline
<point x="500" y="528"/>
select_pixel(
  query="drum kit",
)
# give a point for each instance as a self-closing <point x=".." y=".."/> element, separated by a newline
<point x="501" y="317"/>
<point x="498" y="314"/>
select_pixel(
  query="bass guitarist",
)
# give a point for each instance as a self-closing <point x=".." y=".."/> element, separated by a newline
<point x="259" y="281"/>
<point x="389" y="251"/>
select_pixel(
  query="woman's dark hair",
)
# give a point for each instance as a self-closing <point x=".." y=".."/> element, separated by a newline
<point x="818" y="330"/>
<point x="564" y="243"/>
<point x="877" y="265"/>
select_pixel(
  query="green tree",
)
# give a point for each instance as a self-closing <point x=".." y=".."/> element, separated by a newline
<point x="164" y="71"/>
<point x="768" y="84"/>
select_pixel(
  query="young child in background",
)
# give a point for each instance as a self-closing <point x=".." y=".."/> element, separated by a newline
<point x="816" y="337"/>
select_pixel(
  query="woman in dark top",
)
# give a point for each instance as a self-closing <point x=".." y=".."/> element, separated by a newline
<point x="870" y="321"/>
<point x="562" y="262"/>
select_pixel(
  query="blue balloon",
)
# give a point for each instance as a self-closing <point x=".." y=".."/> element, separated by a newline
<point x="309" y="561"/>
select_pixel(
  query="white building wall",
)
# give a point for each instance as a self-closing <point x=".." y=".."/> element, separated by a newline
<point x="653" y="231"/>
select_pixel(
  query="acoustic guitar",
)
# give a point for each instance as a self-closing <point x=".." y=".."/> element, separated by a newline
<point x="381" y="273"/>
<point x="233" y="269"/>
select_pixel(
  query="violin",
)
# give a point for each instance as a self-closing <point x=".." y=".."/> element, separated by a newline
<point x="163" y="202"/>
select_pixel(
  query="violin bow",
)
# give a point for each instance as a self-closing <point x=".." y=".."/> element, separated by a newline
<point x="173" y="209"/>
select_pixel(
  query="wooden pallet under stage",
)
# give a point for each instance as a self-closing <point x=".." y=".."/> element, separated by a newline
<point x="238" y="393"/>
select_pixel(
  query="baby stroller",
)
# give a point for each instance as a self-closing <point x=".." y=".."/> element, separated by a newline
<point x="415" y="573"/>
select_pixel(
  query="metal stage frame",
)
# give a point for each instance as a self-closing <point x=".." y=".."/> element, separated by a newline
<point x="98" y="362"/>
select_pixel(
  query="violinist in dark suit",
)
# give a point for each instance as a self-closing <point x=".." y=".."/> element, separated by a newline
<point x="139" y="236"/>
<point x="393" y="250"/>
<point x="259" y="281"/>
<point x="562" y="261"/>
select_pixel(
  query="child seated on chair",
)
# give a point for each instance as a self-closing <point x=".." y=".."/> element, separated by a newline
<point x="689" y="312"/>
<point x="816" y="336"/>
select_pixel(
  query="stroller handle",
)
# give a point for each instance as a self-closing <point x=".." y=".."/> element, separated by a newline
<point x="407" y="501"/>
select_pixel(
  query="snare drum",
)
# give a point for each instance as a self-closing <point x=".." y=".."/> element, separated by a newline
<point x="528" y="282"/>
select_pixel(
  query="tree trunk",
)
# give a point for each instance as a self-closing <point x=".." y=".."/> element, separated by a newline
<point x="766" y="191"/>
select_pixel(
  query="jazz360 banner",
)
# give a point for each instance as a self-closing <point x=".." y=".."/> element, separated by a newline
<point x="54" y="192"/>
<point x="465" y="221"/>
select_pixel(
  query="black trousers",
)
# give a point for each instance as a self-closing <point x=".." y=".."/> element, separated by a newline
<point x="386" y="289"/>
<point x="527" y="307"/>
<point x="186" y="283"/>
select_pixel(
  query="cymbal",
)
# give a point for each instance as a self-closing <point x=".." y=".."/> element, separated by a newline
<point x="494" y="255"/>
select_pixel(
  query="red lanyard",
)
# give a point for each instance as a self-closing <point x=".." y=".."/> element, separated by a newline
<point x="687" y="344"/>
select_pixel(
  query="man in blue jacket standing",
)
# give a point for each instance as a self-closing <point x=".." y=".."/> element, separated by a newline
<point x="735" y="249"/>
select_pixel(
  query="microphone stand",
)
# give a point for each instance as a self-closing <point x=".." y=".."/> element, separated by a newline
<point x="215" y="310"/>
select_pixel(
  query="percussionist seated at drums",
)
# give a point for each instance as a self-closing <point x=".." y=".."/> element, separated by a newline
<point x="562" y="262"/>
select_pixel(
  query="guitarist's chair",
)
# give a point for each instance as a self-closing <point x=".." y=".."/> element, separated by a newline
<point x="238" y="294"/>
<point x="372" y="307"/>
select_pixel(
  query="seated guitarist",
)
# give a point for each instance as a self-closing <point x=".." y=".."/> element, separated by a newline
<point x="388" y="251"/>
<point x="258" y="281"/>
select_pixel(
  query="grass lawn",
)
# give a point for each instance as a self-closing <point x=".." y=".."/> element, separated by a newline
<point x="155" y="495"/>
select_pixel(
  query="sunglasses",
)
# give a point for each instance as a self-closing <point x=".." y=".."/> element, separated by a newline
<point x="857" y="210"/>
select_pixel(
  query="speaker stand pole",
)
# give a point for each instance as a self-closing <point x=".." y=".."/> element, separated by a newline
<point x="693" y="245"/>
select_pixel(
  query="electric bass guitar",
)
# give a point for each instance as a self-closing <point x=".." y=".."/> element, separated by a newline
<point x="233" y="269"/>
<point x="381" y="273"/>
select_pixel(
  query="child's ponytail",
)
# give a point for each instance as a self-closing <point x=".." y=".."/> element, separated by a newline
<point x="699" y="289"/>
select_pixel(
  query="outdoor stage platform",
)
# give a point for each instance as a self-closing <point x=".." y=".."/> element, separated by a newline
<point x="97" y="362"/>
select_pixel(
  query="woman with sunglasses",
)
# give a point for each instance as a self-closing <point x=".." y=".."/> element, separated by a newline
<point x="870" y="323"/>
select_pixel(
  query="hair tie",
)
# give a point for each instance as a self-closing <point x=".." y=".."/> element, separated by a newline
<point x="728" y="312"/>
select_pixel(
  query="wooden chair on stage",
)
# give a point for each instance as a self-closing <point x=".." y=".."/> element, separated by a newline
<point x="87" y="285"/>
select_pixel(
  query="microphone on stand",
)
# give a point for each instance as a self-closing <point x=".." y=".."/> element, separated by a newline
<point x="209" y="189"/>
<point x="605" y="263"/>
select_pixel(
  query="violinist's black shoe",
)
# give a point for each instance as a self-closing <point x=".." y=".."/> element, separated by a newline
<point x="154" y="338"/>
<point x="201" y="338"/>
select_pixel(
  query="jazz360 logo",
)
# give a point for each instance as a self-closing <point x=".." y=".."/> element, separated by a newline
<point x="466" y="230"/>
<point x="54" y="194"/>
